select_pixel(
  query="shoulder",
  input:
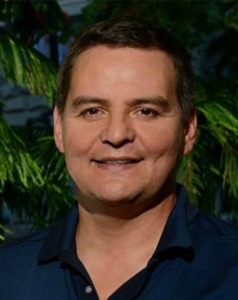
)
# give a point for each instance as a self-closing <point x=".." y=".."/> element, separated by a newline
<point x="30" y="242"/>
<point x="18" y="263"/>
<point x="215" y="236"/>
<point x="214" y="226"/>
<point x="22" y="253"/>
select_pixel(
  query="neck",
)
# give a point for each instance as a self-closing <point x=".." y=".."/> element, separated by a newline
<point x="115" y="229"/>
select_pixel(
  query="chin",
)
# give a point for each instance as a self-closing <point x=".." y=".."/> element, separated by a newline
<point x="115" y="199"/>
<point x="116" y="196"/>
<point x="114" y="202"/>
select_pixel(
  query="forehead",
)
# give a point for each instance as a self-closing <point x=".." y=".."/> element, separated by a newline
<point x="126" y="71"/>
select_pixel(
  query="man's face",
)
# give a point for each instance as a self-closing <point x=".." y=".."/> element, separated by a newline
<point x="122" y="131"/>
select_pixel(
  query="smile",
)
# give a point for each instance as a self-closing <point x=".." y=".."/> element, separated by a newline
<point x="117" y="161"/>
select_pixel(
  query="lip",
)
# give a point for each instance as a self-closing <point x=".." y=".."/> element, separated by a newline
<point x="119" y="158"/>
<point x="124" y="162"/>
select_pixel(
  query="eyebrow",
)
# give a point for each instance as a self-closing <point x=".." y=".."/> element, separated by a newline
<point x="83" y="100"/>
<point x="159" y="101"/>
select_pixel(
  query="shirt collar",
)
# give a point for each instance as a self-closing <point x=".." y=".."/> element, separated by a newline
<point x="176" y="233"/>
<point x="61" y="236"/>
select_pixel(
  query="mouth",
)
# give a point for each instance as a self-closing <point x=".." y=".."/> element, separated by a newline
<point x="117" y="161"/>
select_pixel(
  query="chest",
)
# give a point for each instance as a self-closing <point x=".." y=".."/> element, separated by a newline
<point x="168" y="280"/>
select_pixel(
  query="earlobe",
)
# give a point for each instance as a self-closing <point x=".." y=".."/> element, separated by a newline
<point x="58" y="130"/>
<point x="190" y="135"/>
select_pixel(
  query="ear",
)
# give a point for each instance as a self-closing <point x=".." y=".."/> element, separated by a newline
<point x="58" y="129"/>
<point x="190" y="132"/>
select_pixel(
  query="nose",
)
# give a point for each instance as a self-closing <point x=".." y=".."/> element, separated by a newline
<point x="118" y="132"/>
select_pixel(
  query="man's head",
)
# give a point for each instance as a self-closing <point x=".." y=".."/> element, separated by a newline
<point x="128" y="32"/>
<point x="120" y="124"/>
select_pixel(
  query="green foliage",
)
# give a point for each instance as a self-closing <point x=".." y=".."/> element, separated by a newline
<point x="33" y="178"/>
<point x="16" y="166"/>
<point x="55" y="175"/>
<point x="23" y="65"/>
<point x="213" y="162"/>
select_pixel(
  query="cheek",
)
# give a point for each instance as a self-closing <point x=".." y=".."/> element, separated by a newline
<point x="77" y="144"/>
<point x="78" y="141"/>
<point x="162" y="142"/>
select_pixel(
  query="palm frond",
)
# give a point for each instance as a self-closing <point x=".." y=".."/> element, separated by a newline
<point x="220" y="115"/>
<point x="27" y="67"/>
<point x="16" y="164"/>
<point x="51" y="161"/>
<point x="213" y="164"/>
<point x="57" y="194"/>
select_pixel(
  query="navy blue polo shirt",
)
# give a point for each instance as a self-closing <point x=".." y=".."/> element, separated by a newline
<point x="196" y="258"/>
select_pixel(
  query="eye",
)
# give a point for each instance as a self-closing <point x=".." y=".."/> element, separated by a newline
<point x="90" y="112"/>
<point x="148" y="112"/>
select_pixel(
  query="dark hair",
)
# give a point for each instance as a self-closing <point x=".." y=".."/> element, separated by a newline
<point x="134" y="33"/>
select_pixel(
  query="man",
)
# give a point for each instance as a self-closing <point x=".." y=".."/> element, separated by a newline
<point x="124" y="117"/>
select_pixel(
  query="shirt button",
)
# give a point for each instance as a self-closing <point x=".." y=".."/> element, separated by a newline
<point x="88" y="289"/>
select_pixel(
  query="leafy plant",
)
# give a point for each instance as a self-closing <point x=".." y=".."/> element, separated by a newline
<point x="33" y="177"/>
<point x="25" y="66"/>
